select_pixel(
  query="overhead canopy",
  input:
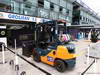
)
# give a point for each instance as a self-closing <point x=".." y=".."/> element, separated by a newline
<point x="84" y="26"/>
<point x="81" y="26"/>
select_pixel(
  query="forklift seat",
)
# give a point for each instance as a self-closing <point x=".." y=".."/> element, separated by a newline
<point x="43" y="45"/>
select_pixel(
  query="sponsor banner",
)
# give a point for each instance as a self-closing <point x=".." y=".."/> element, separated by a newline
<point x="39" y="20"/>
<point x="11" y="16"/>
<point x="45" y="20"/>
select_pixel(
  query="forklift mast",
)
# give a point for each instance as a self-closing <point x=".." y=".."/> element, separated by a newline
<point x="49" y="30"/>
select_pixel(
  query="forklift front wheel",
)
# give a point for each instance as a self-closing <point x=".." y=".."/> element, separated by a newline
<point x="60" y="65"/>
<point x="37" y="58"/>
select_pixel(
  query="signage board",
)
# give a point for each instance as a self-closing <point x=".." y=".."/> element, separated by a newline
<point x="12" y="16"/>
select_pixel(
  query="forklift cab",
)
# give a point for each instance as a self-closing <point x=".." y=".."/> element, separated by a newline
<point x="47" y="36"/>
<point x="49" y="31"/>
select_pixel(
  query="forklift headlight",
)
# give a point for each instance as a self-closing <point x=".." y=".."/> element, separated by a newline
<point x="70" y="47"/>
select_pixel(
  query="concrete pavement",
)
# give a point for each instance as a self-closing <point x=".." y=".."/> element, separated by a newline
<point x="81" y="65"/>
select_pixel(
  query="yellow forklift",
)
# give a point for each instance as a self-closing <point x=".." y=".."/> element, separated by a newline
<point x="50" y="50"/>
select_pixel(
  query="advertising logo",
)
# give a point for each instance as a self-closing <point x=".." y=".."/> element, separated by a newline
<point x="50" y="59"/>
<point x="3" y="33"/>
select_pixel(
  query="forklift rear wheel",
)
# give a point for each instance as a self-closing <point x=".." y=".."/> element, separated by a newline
<point x="60" y="65"/>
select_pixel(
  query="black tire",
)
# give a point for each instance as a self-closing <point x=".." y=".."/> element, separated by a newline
<point x="37" y="57"/>
<point x="60" y="65"/>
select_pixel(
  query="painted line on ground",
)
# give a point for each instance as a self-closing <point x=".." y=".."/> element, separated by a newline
<point x="88" y="67"/>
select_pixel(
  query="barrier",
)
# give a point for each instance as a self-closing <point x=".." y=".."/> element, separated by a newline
<point x="17" y="69"/>
<point x="32" y="64"/>
<point x="11" y="63"/>
<point x="16" y="57"/>
<point x="3" y="54"/>
<point x="88" y="50"/>
<point x="23" y="73"/>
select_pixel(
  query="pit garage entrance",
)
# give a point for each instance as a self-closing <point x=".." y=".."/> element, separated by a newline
<point x="19" y="30"/>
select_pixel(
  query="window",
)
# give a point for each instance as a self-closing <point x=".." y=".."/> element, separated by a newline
<point x="40" y="3"/>
<point x="16" y="7"/>
<point x="56" y="8"/>
<point x="51" y="6"/>
<point x="28" y="5"/>
<point x="67" y="11"/>
<point x="86" y="19"/>
<point x="62" y="3"/>
<point x="83" y="18"/>
<point x="46" y="5"/>
<point x="64" y="11"/>
<point x="53" y="15"/>
<point x="80" y="17"/>
<point x="61" y="9"/>
<point x="5" y="8"/>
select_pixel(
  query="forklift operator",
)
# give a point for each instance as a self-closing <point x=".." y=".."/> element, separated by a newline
<point x="63" y="38"/>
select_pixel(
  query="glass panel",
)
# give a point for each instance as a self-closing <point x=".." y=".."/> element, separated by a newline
<point x="69" y="6"/>
<point x="56" y="8"/>
<point x="63" y="3"/>
<point x="21" y="8"/>
<point x="43" y="13"/>
<point x="55" y="1"/>
<point x="34" y="2"/>
<point x="7" y="2"/>
<point x="12" y="6"/>
<point x="30" y="11"/>
<point x="67" y="11"/>
<point x="52" y="6"/>
<point x="62" y="17"/>
<point x="68" y="19"/>
<point x="53" y="15"/>
<point x="16" y="7"/>
<point x="34" y="11"/>
<point x="64" y="11"/>
<point x="46" y="4"/>
<point x="70" y="13"/>
<point x="40" y="3"/>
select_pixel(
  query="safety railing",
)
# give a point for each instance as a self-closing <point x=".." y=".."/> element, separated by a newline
<point x="14" y="65"/>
